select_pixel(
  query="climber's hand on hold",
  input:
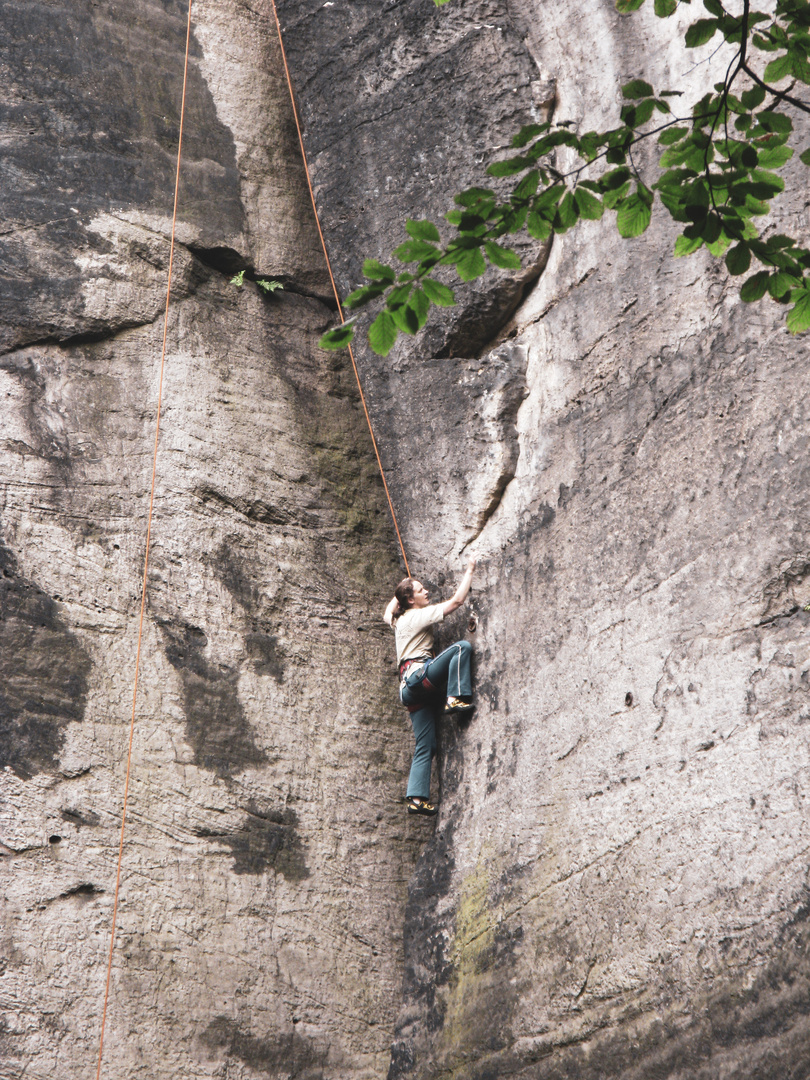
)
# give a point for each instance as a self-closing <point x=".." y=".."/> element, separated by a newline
<point x="461" y="592"/>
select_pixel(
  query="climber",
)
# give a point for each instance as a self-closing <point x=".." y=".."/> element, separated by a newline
<point x="425" y="680"/>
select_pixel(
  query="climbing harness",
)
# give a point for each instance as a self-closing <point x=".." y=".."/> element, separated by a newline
<point x="146" y="555"/>
<point x="334" y="286"/>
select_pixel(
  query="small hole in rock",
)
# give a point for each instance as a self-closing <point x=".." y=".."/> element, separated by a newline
<point x="54" y="839"/>
<point x="628" y="699"/>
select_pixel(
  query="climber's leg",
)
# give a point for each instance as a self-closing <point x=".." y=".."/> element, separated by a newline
<point x="450" y="671"/>
<point x="424" y="730"/>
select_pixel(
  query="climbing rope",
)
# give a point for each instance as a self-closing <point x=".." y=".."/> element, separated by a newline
<point x="146" y="555"/>
<point x="334" y="286"/>
<point x="154" y="470"/>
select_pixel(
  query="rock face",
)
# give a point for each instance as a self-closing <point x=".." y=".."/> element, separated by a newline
<point x="616" y="886"/>
<point x="260" y="926"/>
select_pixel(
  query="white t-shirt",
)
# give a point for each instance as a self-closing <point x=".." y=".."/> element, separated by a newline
<point x="414" y="631"/>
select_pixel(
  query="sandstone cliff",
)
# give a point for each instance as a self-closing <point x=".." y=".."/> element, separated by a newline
<point x="616" y="885"/>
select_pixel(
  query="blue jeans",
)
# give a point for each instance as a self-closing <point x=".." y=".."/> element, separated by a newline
<point x="448" y="676"/>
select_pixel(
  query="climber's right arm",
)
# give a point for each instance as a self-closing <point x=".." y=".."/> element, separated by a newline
<point x="460" y="594"/>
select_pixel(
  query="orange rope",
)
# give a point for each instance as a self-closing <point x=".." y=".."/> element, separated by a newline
<point x="334" y="286"/>
<point x="146" y="556"/>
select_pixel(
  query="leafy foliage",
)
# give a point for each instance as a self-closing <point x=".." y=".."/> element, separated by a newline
<point x="718" y="174"/>
<point x="267" y="285"/>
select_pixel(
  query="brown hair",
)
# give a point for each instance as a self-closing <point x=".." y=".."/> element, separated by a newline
<point x="404" y="595"/>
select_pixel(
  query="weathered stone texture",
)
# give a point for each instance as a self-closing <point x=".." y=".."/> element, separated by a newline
<point x="260" y="926"/>
<point x="616" y="886"/>
<point x="617" y="883"/>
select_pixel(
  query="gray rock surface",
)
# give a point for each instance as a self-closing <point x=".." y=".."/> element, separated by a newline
<point x="616" y="886"/>
<point x="260" y="927"/>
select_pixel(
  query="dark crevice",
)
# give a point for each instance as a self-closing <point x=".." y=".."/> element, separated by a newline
<point x="505" y="331"/>
<point x="227" y="261"/>
<point x="86" y="337"/>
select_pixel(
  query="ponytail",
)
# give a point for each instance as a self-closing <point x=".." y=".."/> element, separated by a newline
<point x="404" y="596"/>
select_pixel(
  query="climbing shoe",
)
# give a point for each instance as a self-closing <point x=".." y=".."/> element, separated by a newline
<point x="421" y="806"/>
<point x="458" y="705"/>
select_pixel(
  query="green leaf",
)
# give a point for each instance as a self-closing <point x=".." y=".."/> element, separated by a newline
<point x="777" y="69"/>
<point x="738" y="259"/>
<point x="672" y="135"/>
<point x="644" y="111"/>
<point x="567" y="213"/>
<point x="472" y="196"/>
<point x="270" y="285"/>
<point x="779" y="242"/>
<point x="398" y="296"/>
<point x="753" y="98"/>
<point x="414" y="251"/>
<point x="613" y="197"/>
<point x="780" y="284"/>
<point x="589" y="206"/>
<point x="405" y="319"/>
<point x="804" y="157"/>
<point x="382" y="333"/>
<point x="774" y="157"/>
<point x="589" y="144"/>
<point x="437" y="293"/>
<point x="633" y="216"/>
<point x="515" y="218"/>
<point x="700" y="32"/>
<point x="718" y="248"/>
<point x="538" y="226"/>
<point x="527" y="133"/>
<point x="665" y="8"/>
<point x="422" y="230"/>
<point x="378" y="271"/>
<point x="799" y="315"/>
<point x="527" y="186"/>
<point x="625" y="6"/>
<point x="774" y="121"/>
<point x="755" y="288"/>
<point x="764" y="43"/>
<point x="508" y="167"/>
<point x="501" y="257"/>
<point x="714" y="7"/>
<point x="637" y="88"/>
<point x="686" y="246"/>
<point x="338" y="338"/>
<point x="238" y="279"/>
<point x="364" y="294"/>
<point x="420" y="303"/>
<point x="470" y="264"/>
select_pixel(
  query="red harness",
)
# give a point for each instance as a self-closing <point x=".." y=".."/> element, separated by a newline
<point x="426" y="683"/>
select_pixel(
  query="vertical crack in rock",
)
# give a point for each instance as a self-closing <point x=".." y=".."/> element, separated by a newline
<point x="44" y="672"/>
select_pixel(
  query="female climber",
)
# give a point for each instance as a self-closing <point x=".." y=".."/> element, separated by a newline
<point x="425" y="680"/>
